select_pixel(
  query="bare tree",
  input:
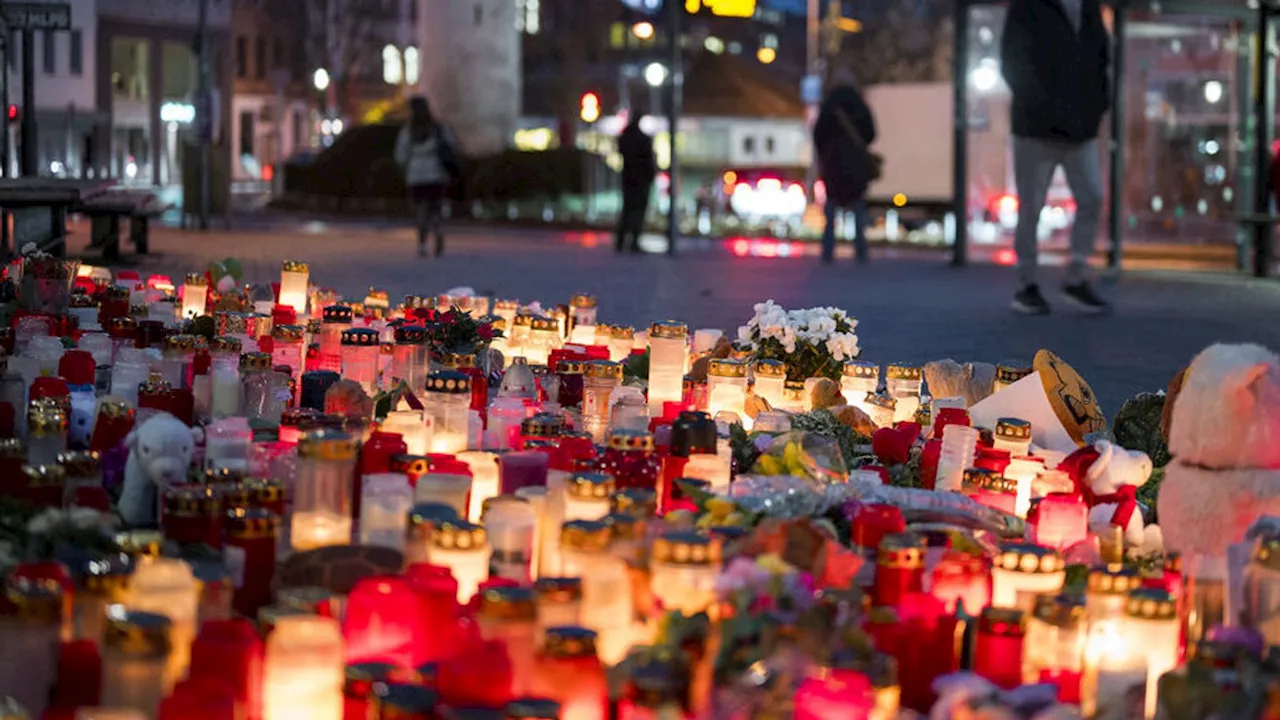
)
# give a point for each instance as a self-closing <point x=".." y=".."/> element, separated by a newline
<point x="340" y="36"/>
<point x="902" y="41"/>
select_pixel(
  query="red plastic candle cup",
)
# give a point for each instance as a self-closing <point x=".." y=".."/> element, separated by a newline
<point x="1061" y="520"/>
<point x="993" y="459"/>
<point x="230" y="652"/>
<point x="949" y="416"/>
<point x="79" y="675"/>
<point x="899" y="568"/>
<point x="526" y="468"/>
<point x="872" y="522"/>
<point x="962" y="580"/>
<point x="836" y="693"/>
<point x="386" y="620"/>
<point x="997" y="651"/>
<point x="252" y="535"/>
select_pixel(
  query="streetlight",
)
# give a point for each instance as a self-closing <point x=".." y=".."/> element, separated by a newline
<point x="985" y="77"/>
<point x="643" y="30"/>
<point x="655" y="73"/>
<point x="766" y="55"/>
<point x="320" y="79"/>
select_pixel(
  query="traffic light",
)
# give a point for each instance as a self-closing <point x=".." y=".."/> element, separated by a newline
<point x="590" y="111"/>
<point x="12" y="114"/>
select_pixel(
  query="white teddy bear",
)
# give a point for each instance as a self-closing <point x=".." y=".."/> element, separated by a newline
<point x="1114" y="477"/>
<point x="159" y="453"/>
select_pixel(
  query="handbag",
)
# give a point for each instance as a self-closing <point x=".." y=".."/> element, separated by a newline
<point x="874" y="161"/>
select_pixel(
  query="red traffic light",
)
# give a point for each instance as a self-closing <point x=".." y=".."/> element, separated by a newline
<point x="590" y="111"/>
<point x="13" y="113"/>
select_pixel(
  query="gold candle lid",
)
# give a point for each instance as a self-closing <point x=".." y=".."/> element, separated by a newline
<point x="975" y="477"/>
<point x="459" y="535"/>
<point x="327" y="444"/>
<point x="523" y="320"/>
<point x="861" y="369"/>
<point x="591" y="486"/>
<point x="602" y="370"/>
<point x="1113" y="579"/>
<point x="881" y="401"/>
<point x="901" y="550"/>
<point x="44" y="475"/>
<point x="582" y="300"/>
<point x="622" y="332"/>
<point x="570" y="367"/>
<point x="682" y="547"/>
<point x="1151" y="604"/>
<point x="45" y="417"/>
<point x="558" y="589"/>
<point x="569" y="641"/>
<point x="508" y="603"/>
<point x="40" y="602"/>
<point x="224" y="345"/>
<point x="252" y="523"/>
<point x="770" y="368"/>
<point x="434" y="514"/>
<point x="669" y="330"/>
<point x="288" y="333"/>
<point x="1029" y="558"/>
<point x="542" y="425"/>
<point x="641" y="502"/>
<point x="1009" y="373"/>
<point x="255" y="362"/>
<point x="631" y="440"/>
<point x="544" y="324"/>
<point x="1062" y="610"/>
<point x="903" y="371"/>
<point x="192" y="501"/>
<point x="180" y="343"/>
<point x="450" y="382"/>
<point x="585" y="535"/>
<point x="197" y="279"/>
<point x="723" y="368"/>
<point x="295" y="266"/>
<point x="337" y="315"/>
<point x="457" y="361"/>
<point x="137" y="633"/>
<point x="140" y="543"/>
<point x="1013" y="429"/>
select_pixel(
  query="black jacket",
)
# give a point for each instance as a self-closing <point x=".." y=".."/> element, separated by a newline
<point x="639" y="167"/>
<point x="844" y="166"/>
<point x="1060" y="78"/>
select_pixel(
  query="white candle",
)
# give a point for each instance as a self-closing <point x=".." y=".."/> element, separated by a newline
<point x="1013" y="435"/>
<point x="770" y="382"/>
<point x="587" y="496"/>
<point x="711" y="467"/>
<point x="484" y="480"/>
<point x="385" y="500"/>
<point x="195" y="295"/>
<point x="668" y="357"/>
<point x="304" y="673"/>
<point x="412" y="427"/>
<point x="463" y="548"/>
<point x="727" y="389"/>
<point x="1022" y="571"/>
<point x="447" y="488"/>
<point x="959" y="445"/>
<point x="1024" y="472"/>
<point x="512" y="530"/>
<point x="166" y="586"/>
<point x="294" y="277"/>
<point x="311" y="530"/>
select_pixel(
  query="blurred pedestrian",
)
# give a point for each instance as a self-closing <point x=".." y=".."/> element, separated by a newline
<point x="639" y="167"/>
<point x="426" y="152"/>
<point x="1055" y="56"/>
<point x="843" y="136"/>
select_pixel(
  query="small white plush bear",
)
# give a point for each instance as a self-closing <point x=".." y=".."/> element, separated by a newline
<point x="159" y="453"/>
<point x="84" y="408"/>
<point x="1114" y="479"/>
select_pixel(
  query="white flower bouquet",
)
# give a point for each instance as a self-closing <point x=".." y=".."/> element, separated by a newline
<point x="814" y="342"/>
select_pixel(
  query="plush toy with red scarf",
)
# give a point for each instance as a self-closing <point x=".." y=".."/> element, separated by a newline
<point x="1107" y="477"/>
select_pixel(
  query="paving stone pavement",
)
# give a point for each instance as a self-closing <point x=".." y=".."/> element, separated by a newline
<point x="912" y="308"/>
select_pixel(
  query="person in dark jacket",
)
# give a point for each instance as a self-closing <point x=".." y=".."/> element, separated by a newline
<point x="1055" y="56"/>
<point x="638" y="171"/>
<point x="842" y="135"/>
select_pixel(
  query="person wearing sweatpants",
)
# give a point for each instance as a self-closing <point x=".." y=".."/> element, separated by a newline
<point x="1055" y="57"/>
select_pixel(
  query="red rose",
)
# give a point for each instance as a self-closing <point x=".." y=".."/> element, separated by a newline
<point x="891" y="446"/>
<point x="485" y="332"/>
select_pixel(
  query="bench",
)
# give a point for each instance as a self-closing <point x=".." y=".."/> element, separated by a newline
<point x="107" y="210"/>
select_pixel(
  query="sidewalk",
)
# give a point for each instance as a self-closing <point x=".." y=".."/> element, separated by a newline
<point x="912" y="307"/>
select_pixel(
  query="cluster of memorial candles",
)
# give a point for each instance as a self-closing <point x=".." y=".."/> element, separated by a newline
<point x="529" y="516"/>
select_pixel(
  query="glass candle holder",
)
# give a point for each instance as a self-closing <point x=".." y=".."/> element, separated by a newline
<point x="959" y="443"/>
<point x="683" y="570"/>
<point x="583" y="310"/>
<point x="544" y="336"/>
<point x="630" y="460"/>
<point x="859" y="380"/>
<point x="1262" y="588"/>
<point x="167" y="586"/>
<point x="294" y="277"/>
<point x="518" y="338"/>
<point x="446" y="485"/>
<point x="411" y="425"/>
<point x="228" y="443"/>
<point x="360" y="348"/>
<point x="998" y="646"/>
<point x="135" y="652"/>
<point x="991" y="489"/>
<point x="1053" y="651"/>
<point x="770" y="379"/>
<point x="265" y="393"/>
<point x="1023" y="471"/>
<point x="961" y="581"/>
<point x="569" y="672"/>
<point x="512" y="531"/>
<point x="1013" y="435"/>
<point x="620" y="341"/>
<point x="289" y="349"/>
<point x="899" y="568"/>
<point x="335" y="320"/>
<point x="1061" y="520"/>
<point x="192" y="514"/>
<point x="385" y="500"/>
<point x="32" y="625"/>
<point x="463" y="548"/>
<point x="587" y="496"/>
<point x="47" y="428"/>
<point x="727" y="388"/>
<point x="600" y="378"/>
<point x="1022" y="571"/>
<point x="195" y="295"/>
<point x="102" y="582"/>
<point x="902" y="383"/>
<point x="303" y="673"/>
<point x="538" y="499"/>
<point x="45" y="484"/>
<point x="1008" y="373"/>
<point x="422" y="521"/>
<point x="713" y="468"/>
<point x="410" y="361"/>
<point x="448" y="400"/>
<point x="607" y="606"/>
<point x="249" y="553"/>
<point x="668" y="358"/>
<point x="323" y="492"/>
<point x="880" y="408"/>
<point x="507" y="614"/>
<point x="484" y="479"/>
<point x="559" y="603"/>
<point x="224" y="381"/>
<point x="175" y="365"/>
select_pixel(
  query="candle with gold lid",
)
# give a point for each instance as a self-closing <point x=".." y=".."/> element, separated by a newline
<point x="727" y="388"/>
<point x="102" y="581"/>
<point x="192" y="514"/>
<point x="1108" y="591"/>
<point x="1053" y="651"/>
<point x="289" y="348"/>
<point x="179" y="352"/>
<point x="770" y="377"/>
<point x="559" y="602"/>
<point x="463" y="548"/>
<point x="264" y="391"/>
<point x="544" y="336"/>
<point x="31" y="625"/>
<point x="135" y="650"/>
<point x="630" y="459"/>
<point x="520" y="325"/>
<point x="998" y="647"/>
<point x="881" y="408"/>
<point x="447" y="400"/>
<point x="512" y="531"/>
<point x="410" y="361"/>
<point x="1126" y="656"/>
<point x="858" y="380"/>
<point x="44" y="484"/>
<point x="142" y="546"/>
<point x="169" y="587"/>
<point x="588" y="496"/>
<point x="600" y="378"/>
<point x="334" y="320"/>
<point x="303" y="673"/>
<point x="991" y="489"/>
<point x="902" y="383"/>
<point x="1022" y="571"/>
<point x="638" y="501"/>
<point x="618" y="338"/>
<point x="323" y="491"/>
<point x="683" y="569"/>
<point x="377" y="304"/>
<point x="360" y="347"/>
<point x="47" y="426"/>
<point x="195" y="295"/>
<point x="570" y="674"/>
<point x="899" y="568"/>
<point x="508" y="614"/>
<point x="1014" y="435"/>
<point x="606" y="594"/>
<point x="294" y="277"/>
<point x="668" y="359"/>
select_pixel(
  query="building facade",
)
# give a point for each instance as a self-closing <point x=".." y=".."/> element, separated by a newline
<point x="147" y="75"/>
<point x="66" y="111"/>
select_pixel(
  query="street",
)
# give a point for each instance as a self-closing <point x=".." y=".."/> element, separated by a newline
<point x="911" y="307"/>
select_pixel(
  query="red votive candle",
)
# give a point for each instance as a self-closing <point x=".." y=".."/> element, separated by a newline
<point x="872" y="522"/>
<point x="230" y="652"/>
<point x="385" y="621"/>
<point x="899" y="568"/>
<point x="997" y="650"/>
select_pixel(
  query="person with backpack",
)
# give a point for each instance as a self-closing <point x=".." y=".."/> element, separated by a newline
<point x="1056" y="59"/>
<point x="426" y="152"/>
<point x="842" y="137"/>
